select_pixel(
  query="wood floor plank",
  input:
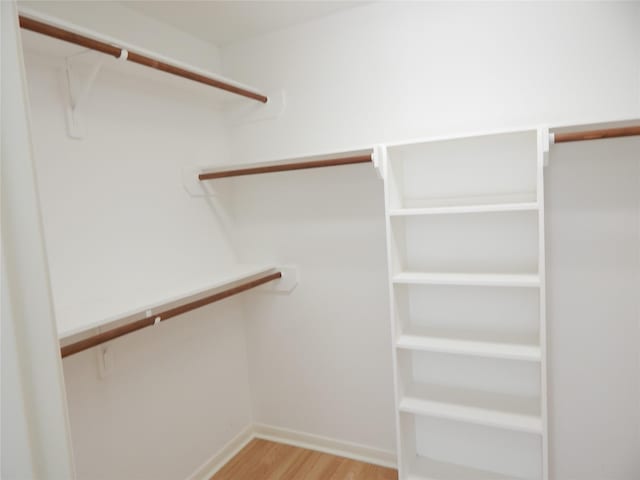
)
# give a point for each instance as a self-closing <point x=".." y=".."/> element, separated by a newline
<point x="265" y="460"/>
<point x="349" y="470"/>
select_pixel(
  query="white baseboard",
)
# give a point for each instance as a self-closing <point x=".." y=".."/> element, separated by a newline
<point x="327" y="445"/>
<point x="331" y="446"/>
<point x="218" y="460"/>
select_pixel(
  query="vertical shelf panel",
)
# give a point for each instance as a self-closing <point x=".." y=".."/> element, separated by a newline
<point x="542" y="138"/>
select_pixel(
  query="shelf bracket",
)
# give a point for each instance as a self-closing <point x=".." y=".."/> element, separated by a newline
<point x="546" y="139"/>
<point x="78" y="81"/>
<point x="379" y="159"/>
<point x="105" y="361"/>
<point x="104" y="358"/>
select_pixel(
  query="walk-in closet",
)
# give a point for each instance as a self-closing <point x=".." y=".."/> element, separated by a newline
<point x="325" y="240"/>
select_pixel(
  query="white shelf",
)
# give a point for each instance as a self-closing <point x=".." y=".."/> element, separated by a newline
<point x="497" y="419"/>
<point x="463" y="201"/>
<point x="460" y="209"/>
<point x="94" y="313"/>
<point x="470" y="279"/>
<point x="507" y="351"/>
<point x="423" y="468"/>
<point x="520" y="414"/>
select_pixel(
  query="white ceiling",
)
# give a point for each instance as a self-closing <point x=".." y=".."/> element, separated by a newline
<point x="223" y="22"/>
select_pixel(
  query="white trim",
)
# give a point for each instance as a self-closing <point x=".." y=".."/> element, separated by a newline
<point x="40" y="428"/>
<point x="219" y="459"/>
<point x="309" y="441"/>
<point x="331" y="446"/>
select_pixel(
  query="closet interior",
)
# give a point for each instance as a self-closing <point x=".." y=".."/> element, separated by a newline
<point x="427" y="305"/>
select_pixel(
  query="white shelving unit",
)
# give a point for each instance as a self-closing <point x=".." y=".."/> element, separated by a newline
<point x="465" y="235"/>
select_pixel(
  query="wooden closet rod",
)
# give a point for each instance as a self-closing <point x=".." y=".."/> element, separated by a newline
<point x="283" y="167"/>
<point x="596" y="134"/>
<point x="71" y="37"/>
<point x="165" y="315"/>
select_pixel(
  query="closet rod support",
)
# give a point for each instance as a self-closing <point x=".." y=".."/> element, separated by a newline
<point x="595" y="134"/>
<point x="124" y="54"/>
<point x="148" y="321"/>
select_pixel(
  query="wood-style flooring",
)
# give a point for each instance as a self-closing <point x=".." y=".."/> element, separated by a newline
<point x="264" y="460"/>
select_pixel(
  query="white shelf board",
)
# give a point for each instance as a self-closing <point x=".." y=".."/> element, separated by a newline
<point x="87" y="315"/>
<point x="485" y="200"/>
<point x="520" y="414"/>
<point x="424" y="468"/>
<point x="506" y="351"/>
<point x="450" y="210"/>
<point x="471" y="279"/>
<point x="479" y="416"/>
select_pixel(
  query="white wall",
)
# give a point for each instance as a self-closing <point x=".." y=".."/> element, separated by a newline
<point x="593" y="275"/>
<point x="396" y="70"/>
<point x="119" y="226"/>
<point x="319" y="360"/>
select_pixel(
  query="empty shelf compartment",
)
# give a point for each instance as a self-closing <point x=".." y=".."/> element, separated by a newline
<point x="484" y="169"/>
<point x="481" y="321"/>
<point x="443" y="449"/>
<point x="470" y="243"/>
<point x="423" y="468"/>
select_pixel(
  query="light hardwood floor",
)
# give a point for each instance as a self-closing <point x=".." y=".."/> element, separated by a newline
<point x="264" y="460"/>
